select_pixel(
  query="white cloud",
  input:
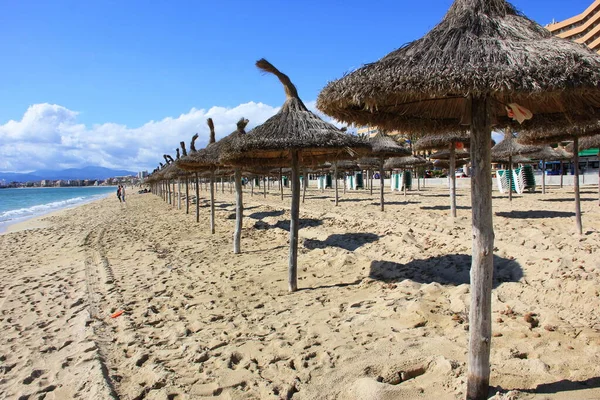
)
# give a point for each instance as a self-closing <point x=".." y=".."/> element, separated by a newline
<point x="49" y="136"/>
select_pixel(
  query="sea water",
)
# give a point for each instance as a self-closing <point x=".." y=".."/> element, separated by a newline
<point x="20" y="204"/>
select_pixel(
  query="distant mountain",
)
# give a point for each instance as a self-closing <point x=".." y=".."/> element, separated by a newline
<point x="65" y="174"/>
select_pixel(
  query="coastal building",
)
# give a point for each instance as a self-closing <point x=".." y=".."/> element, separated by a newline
<point x="583" y="28"/>
<point x="142" y="175"/>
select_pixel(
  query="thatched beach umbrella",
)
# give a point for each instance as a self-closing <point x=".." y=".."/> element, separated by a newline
<point x="187" y="180"/>
<point x="447" y="143"/>
<point x="385" y="147"/>
<point x="575" y="134"/>
<point x="370" y="164"/>
<point x="343" y="166"/>
<point x="506" y="150"/>
<point x="294" y="136"/>
<point x="590" y="142"/>
<point x="483" y="57"/>
<point x="546" y="153"/>
<point x="206" y="159"/>
<point x="404" y="163"/>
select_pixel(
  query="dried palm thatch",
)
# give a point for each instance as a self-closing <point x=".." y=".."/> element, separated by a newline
<point x="588" y="142"/>
<point x="546" y="153"/>
<point x="509" y="147"/>
<point x="405" y="162"/>
<point x="293" y="128"/>
<point x="445" y="155"/>
<point x="385" y="146"/>
<point x="481" y="48"/>
<point x="445" y="164"/>
<point x="368" y="162"/>
<point x="441" y="141"/>
<point x="203" y="159"/>
<point x="549" y="136"/>
<point x="564" y="154"/>
<point x="345" y="165"/>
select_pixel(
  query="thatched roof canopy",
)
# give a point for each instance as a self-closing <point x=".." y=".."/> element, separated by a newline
<point x="446" y="163"/>
<point x="509" y="147"/>
<point x="481" y="48"/>
<point x="439" y="141"/>
<point x="404" y="162"/>
<point x="549" y="136"/>
<point x="445" y="155"/>
<point x="585" y="143"/>
<point x="294" y="127"/>
<point x="345" y="165"/>
<point x="546" y="153"/>
<point x="368" y="162"/>
<point x="385" y="146"/>
<point x="209" y="157"/>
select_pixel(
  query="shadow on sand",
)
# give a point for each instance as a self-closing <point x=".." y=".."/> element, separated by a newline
<point x="534" y="214"/>
<point x="444" y="208"/>
<point x="562" y="386"/>
<point x="396" y="203"/>
<point x="452" y="269"/>
<point x="265" y="214"/>
<point x="340" y="285"/>
<point x="347" y="241"/>
<point x="571" y="200"/>
<point x="285" y="224"/>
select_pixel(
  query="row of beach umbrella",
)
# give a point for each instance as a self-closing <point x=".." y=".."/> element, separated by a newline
<point x="485" y="66"/>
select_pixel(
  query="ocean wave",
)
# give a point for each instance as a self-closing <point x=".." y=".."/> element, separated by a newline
<point x="44" y="208"/>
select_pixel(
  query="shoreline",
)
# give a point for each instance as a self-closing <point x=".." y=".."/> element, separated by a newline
<point x="34" y="221"/>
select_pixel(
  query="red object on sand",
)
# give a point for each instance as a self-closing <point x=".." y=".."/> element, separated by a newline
<point x="115" y="315"/>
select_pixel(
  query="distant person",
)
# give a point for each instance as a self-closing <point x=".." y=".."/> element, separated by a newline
<point x="123" y="193"/>
<point x="119" y="193"/>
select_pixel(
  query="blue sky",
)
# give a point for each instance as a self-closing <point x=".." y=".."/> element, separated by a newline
<point x="132" y="64"/>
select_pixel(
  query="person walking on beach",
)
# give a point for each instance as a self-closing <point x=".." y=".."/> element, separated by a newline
<point x="123" y="193"/>
<point x="119" y="193"/>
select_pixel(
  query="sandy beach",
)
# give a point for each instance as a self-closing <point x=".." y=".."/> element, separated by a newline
<point x="382" y="310"/>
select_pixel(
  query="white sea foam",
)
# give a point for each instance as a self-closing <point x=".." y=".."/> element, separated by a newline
<point x="41" y="209"/>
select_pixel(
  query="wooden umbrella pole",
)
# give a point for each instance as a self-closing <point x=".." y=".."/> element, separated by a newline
<point x="452" y="180"/>
<point x="416" y="169"/>
<point x="480" y="315"/>
<point x="174" y="203"/>
<point x="543" y="176"/>
<point x="510" y="178"/>
<point x="335" y="178"/>
<point x="576" y="185"/>
<point x="294" y="220"/>
<point x="252" y="186"/>
<point x="305" y="182"/>
<point x="562" y="165"/>
<point x="381" y="184"/>
<point x="178" y="193"/>
<point x="170" y="194"/>
<point x="264" y="187"/>
<point x="212" y="202"/>
<point x="281" y="182"/>
<point x="599" y="179"/>
<point x="223" y="185"/>
<point x="371" y="181"/>
<point x="187" y="195"/>
<point x="197" y="200"/>
<point x="239" y="211"/>
<point x="404" y="182"/>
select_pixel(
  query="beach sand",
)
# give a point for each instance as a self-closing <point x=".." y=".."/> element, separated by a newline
<point x="382" y="310"/>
